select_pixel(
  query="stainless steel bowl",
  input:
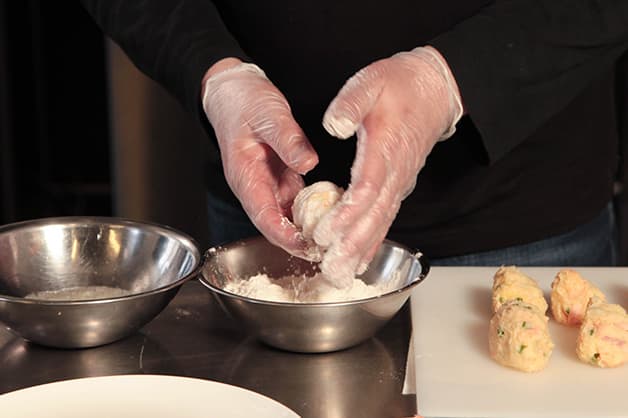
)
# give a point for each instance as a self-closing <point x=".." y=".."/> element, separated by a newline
<point x="148" y="261"/>
<point x="309" y="327"/>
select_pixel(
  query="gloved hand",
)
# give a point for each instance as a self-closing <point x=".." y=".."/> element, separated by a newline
<point x="399" y="107"/>
<point x="263" y="150"/>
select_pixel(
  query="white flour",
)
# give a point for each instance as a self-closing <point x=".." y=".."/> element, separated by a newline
<point x="80" y="293"/>
<point x="302" y="289"/>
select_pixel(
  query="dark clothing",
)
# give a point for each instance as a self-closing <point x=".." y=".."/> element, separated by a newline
<point x="535" y="157"/>
<point x="591" y="244"/>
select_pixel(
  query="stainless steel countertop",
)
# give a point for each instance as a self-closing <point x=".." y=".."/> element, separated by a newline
<point x="193" y="337"/>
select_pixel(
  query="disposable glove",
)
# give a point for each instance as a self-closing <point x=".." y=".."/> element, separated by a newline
<point x="264" y="151"/>
<point x="399" y="107"/>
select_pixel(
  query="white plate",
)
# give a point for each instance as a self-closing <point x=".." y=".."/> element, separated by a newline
<point x="153" y="396"/>
<point x="455" y="377"/>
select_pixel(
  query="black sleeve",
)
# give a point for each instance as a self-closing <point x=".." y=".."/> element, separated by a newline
<point x="519" y="62"/>
<point x="173" y="42"/>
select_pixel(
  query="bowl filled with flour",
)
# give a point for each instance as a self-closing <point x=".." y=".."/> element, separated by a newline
<point x="77" y="282"/>
<point x="287" y="303"/>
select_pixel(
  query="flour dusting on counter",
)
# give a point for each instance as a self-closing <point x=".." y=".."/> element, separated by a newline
<point x="302" y="289"/>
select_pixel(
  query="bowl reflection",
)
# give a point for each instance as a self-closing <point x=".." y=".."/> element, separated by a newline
<point x="320" y="385"/>
<point x="31" y="364"/>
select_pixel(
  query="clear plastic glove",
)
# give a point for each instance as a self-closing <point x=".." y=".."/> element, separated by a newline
<point x="264" y="151"/>
<point x="399" y="107"/>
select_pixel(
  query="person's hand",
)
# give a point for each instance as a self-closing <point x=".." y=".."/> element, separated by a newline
<point x="264" y="151"/>
<point x="399" y="107"/>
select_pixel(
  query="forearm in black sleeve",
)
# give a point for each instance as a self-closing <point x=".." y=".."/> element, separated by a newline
<point x="519" y="62"/>
<point x="173" y="42"/>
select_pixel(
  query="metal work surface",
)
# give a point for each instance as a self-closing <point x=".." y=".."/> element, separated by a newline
<point x="193" y="337"/>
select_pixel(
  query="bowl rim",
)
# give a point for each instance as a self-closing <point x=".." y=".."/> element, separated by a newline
<point x="186" y="239"/>
<point x="417" y="255"/>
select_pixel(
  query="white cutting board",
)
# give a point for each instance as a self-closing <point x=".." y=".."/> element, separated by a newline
<point x="455" y="377"/>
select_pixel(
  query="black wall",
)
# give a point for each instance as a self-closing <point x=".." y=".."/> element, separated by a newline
<point x="54" y="145"/>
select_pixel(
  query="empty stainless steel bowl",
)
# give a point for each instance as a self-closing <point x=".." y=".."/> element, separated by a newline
<point x="147" y="261"/>
<point x="309" y="327"/>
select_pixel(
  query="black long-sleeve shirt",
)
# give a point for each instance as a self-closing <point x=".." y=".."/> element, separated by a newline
<point x="537" y="153"/>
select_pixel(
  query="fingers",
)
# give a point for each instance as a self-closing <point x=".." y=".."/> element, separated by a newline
<point x="289" y="184"/>
<point x="351" y="252"/>
<point x="241" y="101"/>
<point x="354" y="101"/>
<point x="263" y="149"/>
<point x="355" y="228"/>
<point x="277" y="228"/>
<point x="368" y="257"/>
<point x="266" y="187"/>
<point x="399" y="109"/>
<point x="359" y="197"/>
<point x="271" y="121"/>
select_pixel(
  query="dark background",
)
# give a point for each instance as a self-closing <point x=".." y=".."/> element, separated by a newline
<point x="55" y="138"/>
<point x="82" y="132"/>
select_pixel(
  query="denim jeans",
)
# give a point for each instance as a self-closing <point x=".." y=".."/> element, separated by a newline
<point x="591" y="244"/>
<point x="227" y="223"/>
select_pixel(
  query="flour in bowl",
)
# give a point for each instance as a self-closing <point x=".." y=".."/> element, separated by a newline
<point x="79" y="293"/>
<point x="302" y="289"/>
